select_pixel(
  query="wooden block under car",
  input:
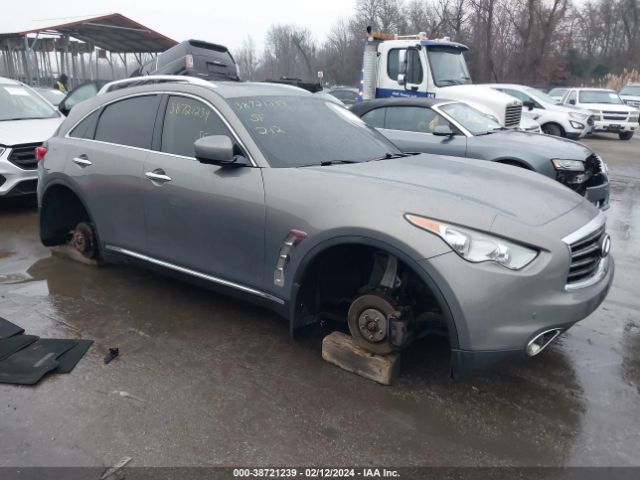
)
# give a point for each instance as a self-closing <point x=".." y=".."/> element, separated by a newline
<point x="340" y="349"/>
<point x="67" y="251"/>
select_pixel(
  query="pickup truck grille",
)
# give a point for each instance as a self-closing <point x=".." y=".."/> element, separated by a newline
<point x="621" y="116"/>
<point x="512" y="115"/>
<point x="586" y="255"/>
<point x="24" y="156"/>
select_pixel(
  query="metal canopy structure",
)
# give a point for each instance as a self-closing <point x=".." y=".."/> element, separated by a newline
<point x="38" y="52"/>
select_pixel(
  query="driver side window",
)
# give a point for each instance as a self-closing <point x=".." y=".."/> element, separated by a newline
<point x="185" y="121"/>
<point x="414" y="119"/>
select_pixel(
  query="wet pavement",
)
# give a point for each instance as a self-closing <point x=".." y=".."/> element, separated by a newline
<point x="207" y="380"/>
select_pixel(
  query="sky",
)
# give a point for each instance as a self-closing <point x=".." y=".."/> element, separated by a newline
<point x="226" y="22"/>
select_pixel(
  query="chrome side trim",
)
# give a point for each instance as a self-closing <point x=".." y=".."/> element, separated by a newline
<point x="194" y="273"/>
<point x="595" y="224"/>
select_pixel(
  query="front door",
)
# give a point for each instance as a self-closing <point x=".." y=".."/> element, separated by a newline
<point x="411" y="129"/>
<point x="204" y="218"/>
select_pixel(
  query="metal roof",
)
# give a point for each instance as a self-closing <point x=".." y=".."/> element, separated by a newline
<point x="113" y="32"/>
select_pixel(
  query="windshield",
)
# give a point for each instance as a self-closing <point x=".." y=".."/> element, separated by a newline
<point x="599" y="96"/>
<point x="18" y="102"/>
<point x="295" y="131"/>
<point x="448" y="66"/>
<point x="53" y="96"/>
<point x="557" y="92"/>
<point x="631" y="90"/>
<point x="539" y="95"/>
<point x="473" y="120"/>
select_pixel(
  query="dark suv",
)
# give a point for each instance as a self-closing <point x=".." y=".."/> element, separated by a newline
<point x="194" y="58"/>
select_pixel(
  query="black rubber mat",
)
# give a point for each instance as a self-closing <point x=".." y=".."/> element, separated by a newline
<point x="68" y="360"/>
<point x="8" y="329"/>
<point x="9" y="346"/>
<point x="29" y="365"/>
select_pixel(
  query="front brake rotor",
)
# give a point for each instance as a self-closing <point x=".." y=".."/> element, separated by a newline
<point x="83" y="240"/>
<point x="368" y="322"/>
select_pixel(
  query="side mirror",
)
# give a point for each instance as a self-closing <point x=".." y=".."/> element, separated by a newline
<point x="216" y="150"/>
<point x="443" y="131"/>
<point x="572" y="101"/>
<point x="529" y="104"/>
<point x="63" y="109"/>
<point x="402" y="67"/>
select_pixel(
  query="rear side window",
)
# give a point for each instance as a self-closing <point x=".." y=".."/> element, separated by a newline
<point x="375" y="118"/>
<point x="129" y="122"/>
<point x="186" y="120"/>
<point x="87" y="127"/>
<point x="411" y="119"/>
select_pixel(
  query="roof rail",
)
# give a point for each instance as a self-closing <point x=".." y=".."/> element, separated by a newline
<point x="152" y="79"/>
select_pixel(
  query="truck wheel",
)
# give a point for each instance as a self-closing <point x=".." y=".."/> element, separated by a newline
<point x="552" y="129"/>
<point x="369" y="324"/>
<point x="625" y="135"/>
<point x="84" y="240"/>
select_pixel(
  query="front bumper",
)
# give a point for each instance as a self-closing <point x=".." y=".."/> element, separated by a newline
<point x="497" y="311"/>
<point x="599" y="195"/>
<point x="14" y="180"/>
<point x="614" y="126"/>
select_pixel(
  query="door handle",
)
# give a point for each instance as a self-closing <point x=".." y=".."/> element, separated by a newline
<point x="82" y="160"/>
<point x="158" y="175"/>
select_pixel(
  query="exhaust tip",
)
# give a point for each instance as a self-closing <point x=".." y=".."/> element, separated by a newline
<point x="538" y="343"/>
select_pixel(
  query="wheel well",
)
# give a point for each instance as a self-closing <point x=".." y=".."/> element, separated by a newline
<point x="60" y="211"/>
<point x="514" y="163"/>
<point x="341" y="273"/>
<point x="562" y="131"/>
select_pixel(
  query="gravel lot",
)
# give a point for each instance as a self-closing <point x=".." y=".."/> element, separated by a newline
<point x="213" y="381"/>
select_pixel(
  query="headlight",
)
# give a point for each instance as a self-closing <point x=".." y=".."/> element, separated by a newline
<point x="577" y="115"/>
<point x="571" y="165"/>
<point x="476" y="246"/>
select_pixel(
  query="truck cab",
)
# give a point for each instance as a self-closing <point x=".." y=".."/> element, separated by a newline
<point x="413" y="65"/>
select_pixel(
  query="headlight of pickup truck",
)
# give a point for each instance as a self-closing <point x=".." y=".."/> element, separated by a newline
<point x="476" y="246"/>
<point x="570" y="165"/>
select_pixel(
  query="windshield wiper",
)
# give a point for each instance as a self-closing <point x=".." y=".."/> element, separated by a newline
<point x="389" y="156"/>
<point x="21" y="118"/>
<point x="326" y="163"/>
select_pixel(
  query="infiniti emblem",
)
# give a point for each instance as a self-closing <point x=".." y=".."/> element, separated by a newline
<point x="605" y="245"/>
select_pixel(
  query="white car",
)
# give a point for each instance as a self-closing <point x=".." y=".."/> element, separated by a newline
<point x="26" y="120"/>
<point x="557" y="93"/>
<point x="630" y="94"/>
<point x="554" y="119"/>
<point x="610" y="112"/>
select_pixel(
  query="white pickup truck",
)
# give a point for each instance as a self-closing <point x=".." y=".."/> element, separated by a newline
<point x="413" y="65"/>
<point x="610" y="113"/>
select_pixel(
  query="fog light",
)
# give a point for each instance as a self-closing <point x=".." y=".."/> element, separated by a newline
<point x="541" y="341"/>
<point x="533" y="349"/>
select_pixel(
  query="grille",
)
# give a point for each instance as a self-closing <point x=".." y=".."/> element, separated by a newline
<point x="586" y="255"/>
<point x="614" y="115"/>
<point x="24" y="157"/>
<point x="512" y="115"/>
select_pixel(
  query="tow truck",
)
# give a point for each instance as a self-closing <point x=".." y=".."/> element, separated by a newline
<point x="416" y="66"/>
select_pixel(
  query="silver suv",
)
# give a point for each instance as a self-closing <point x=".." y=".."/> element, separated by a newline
<point x="274" y="194"/>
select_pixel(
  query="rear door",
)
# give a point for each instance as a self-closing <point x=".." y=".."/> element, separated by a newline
<point x="106" y="162"/>
<point x="205" y="218"/>
<point x="410" y="128"/>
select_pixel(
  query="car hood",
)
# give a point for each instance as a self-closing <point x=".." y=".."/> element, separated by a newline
<point x="527" y="143"/>
<point x="608" y="107"/>
<point x="558" y="107"/>
<point x="478" y="96"/>
<point x="17" y="132"/>
<point x="468" y="192"/>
